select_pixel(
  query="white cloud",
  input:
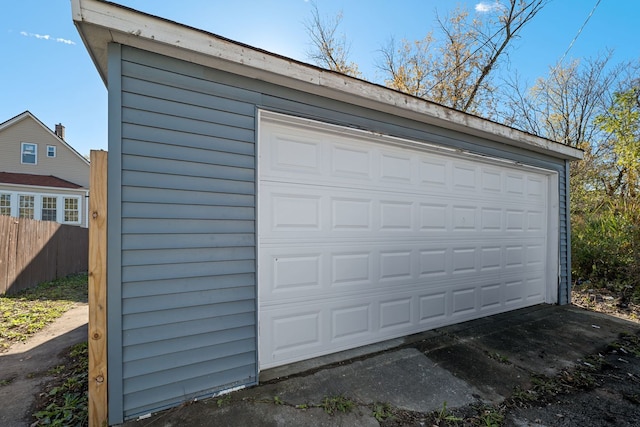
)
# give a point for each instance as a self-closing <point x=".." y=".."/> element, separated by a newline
<point x="47" y="37"/>
<point x="485" y="7"/>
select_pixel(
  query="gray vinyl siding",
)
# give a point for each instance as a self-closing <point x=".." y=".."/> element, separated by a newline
<point x="187" y="237"/>
<point x="565" y="239"/>
<point x="183" y="278"/>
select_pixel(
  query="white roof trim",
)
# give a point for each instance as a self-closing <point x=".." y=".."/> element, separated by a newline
<point x="100" y="23"/>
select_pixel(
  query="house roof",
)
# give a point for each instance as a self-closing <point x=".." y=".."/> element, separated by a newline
<point x="28" y="114"/>
<point x="35" y="180"/>
<point x="100" y="23"/>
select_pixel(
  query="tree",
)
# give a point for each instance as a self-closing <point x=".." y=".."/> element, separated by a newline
<point x="622" y="121"/>
<point x="563" y="106"/>
<point x="329" y="48"/>
<point x="469" y="51"/>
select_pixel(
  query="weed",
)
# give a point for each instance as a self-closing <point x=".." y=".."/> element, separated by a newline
<point x="443" y="415"/>
<point x="56" y="370"/>
<point x="489" y="417"/>
<point x="302" y="406"/>
<point x="523" y="396"/>
<point x="7" y="381"/>
<point x="277" y="400"/>
<point x="382" y="411"/>
<point x="335" y="404"/>
<point x="67" y="400"/>
<point x="27" y="312"/>
<point x="223" y="400"/>
<point x="500" y="358"/>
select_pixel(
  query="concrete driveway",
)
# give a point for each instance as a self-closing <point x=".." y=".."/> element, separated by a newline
<point x="544" y="365"/>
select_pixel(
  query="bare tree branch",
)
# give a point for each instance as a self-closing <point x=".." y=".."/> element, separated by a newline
<point x="329" y="48"/>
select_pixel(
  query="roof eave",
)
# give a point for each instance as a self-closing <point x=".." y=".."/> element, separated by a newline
<point x="101" y="23"/>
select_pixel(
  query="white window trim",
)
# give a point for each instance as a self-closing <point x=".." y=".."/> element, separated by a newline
<point x="22" y="144"/>
<point x="37" y="205"/>
<point x="61" y="200"/>
<point x="57" y="210"/>
<point x="11" y="202"/>
<point x="53" y="149"/>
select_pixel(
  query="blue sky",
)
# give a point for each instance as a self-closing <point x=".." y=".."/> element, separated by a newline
<point x="46" y="69"/>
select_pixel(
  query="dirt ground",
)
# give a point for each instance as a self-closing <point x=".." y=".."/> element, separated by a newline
<point x="610" y="395"/>
<point x="604" y="301"/>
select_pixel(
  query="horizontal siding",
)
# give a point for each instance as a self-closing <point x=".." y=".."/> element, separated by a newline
<point x="191" y="197"/>
<point x="136" y="132"/>
<point x="187" y="183"/>
<point x="188" y="154"/>
<point x="191" y="379"/>
<point x="181" y="168"/>
<point x="185" y="125"/>
<point x="168" y="346"/>
<point x="188" y="236"/>
<point x="169" y="240"/>
<point x="186" y="284"/>
<point x="194" y="312"/>
<point x="186" y="255"/>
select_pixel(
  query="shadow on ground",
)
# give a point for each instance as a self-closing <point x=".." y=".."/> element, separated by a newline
<point x="461" y="369"/>
<point x="24" y="367"/>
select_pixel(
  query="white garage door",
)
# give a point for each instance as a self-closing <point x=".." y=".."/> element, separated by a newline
<point x="362" y="238"/>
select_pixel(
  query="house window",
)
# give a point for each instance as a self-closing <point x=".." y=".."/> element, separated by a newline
<point x="29" y="153"/>
<point x="51" y="150"/>
<point x="5" y="204"/>
<point x="71" y="211"/>
<point x="27" y="206"/>
<point x="49" y="211"/>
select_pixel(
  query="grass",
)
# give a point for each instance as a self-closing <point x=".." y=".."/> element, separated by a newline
<point x="333" y="404"/>
<point x="66" y="398"/>
<point x="27" y="312"/>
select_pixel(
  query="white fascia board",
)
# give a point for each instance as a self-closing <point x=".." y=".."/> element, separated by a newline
<point x="100" y="23"/>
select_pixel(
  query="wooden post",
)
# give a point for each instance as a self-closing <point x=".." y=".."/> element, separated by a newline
<point x="98" y="409"/>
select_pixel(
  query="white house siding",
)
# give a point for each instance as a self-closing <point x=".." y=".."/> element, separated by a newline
<point x="66" y="165"/>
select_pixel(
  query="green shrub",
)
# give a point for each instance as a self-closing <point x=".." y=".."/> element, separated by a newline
<point x="606" y="247"/>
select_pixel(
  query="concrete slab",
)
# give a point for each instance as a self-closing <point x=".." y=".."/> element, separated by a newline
<point x="406" y="378"/>
<point x="464" y="364"/>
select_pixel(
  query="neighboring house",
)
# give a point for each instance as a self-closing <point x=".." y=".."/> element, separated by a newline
<point x="41" y="176"/>
<point x="263" y="211"/>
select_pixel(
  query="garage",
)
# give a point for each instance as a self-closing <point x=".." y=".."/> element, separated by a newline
<point x="263" y="211"/>
<point x="363" y="238"/>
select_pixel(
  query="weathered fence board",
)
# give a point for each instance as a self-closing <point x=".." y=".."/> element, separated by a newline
<point x="33" y="251"/>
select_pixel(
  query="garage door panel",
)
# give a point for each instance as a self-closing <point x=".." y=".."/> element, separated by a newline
<point x="301" y="273"/>
<point x="297" y="208"/>
<point x="361" y="240"/>
<point x="308" y="330"/>
<point x="369" y="261"/>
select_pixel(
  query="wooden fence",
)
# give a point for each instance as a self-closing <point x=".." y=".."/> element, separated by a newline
<point x="34" y="251"/>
